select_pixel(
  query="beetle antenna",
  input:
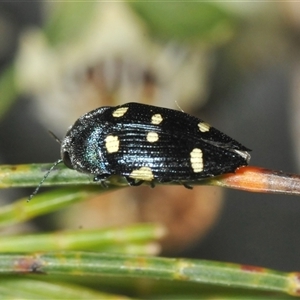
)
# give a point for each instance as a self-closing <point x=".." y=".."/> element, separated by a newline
<point x="54" y="136"/>
<point x="44" y="178"/>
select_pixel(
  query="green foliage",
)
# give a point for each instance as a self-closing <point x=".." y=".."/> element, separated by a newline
<point x="205" y="22"/>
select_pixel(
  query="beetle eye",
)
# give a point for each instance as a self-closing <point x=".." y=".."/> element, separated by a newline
<point x="67" y="160"/>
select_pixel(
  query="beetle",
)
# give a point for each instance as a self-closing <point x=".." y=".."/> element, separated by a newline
<point x="147" y="143"/>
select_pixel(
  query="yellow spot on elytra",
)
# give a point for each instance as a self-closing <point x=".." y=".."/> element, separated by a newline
<point x="203" y="127"/>
<point x="120" y="112"/>
<point x="143" y="173"/>
<point x="156" y="119"/>
<point x="197" y="160"/>
<point x="152" y="137"/>
<point x="112" y="143"/>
